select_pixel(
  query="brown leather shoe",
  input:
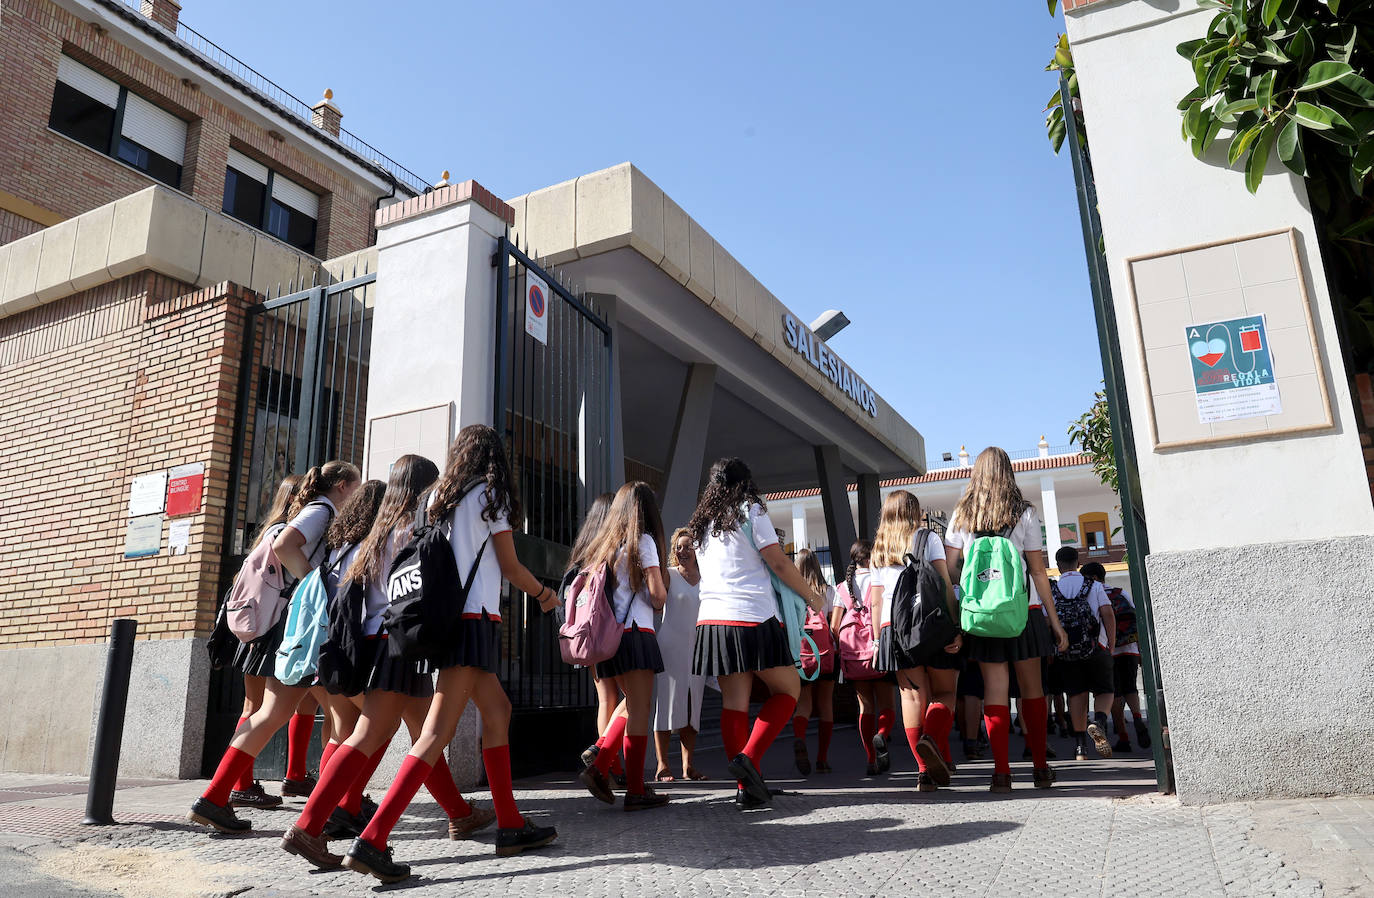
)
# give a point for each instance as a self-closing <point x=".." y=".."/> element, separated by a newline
<point x="300" y="843"/>
<point x="1001" y="782"/>
<point x="478" y="818"/>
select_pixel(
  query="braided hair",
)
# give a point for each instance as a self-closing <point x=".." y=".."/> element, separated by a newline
<point x="859" y="555"/>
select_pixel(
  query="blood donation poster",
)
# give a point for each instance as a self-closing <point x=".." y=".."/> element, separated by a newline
<point x="1233" y="370"/>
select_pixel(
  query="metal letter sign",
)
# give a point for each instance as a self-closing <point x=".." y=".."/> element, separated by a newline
<point x="1233" y="372"/>
<point x="536" y="307"/>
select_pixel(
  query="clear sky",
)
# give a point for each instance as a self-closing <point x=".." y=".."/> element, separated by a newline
<point x="887" y="159"/>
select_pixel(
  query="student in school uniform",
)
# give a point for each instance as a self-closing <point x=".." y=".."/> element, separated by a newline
<point x="608" y="702"/>
<point x="992" y="504"/>
<point x="817" y="696"/>
<point x="927" y="678"/>
<point x="631" y="543"/>
<point x="476" y="501"/>
<point x="739" y="635"/>
<point x="300" y="547"/>
<point x="678" y="691"/>
<point x="1125" y="662"/>
<point x="874" y="692"/>
<point x="1094" y="673"/>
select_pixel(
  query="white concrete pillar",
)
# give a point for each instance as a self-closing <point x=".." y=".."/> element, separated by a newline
<point x="799" y="525"/>
<point x="1049" y="505"/>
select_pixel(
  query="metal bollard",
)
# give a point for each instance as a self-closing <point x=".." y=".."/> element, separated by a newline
<point x="109" y="730"/>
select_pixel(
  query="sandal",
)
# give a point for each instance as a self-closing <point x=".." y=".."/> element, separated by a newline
<point x="664" y="776"/>
<point x="694" y="774"/>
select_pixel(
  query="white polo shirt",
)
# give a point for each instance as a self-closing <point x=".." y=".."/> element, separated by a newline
<point x="630" y="606"/>
<point x="735" y="583"/>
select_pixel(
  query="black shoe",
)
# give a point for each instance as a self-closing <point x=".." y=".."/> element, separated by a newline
<point x="647" y="800"/>
<point x="743" y="769"/>
<point x="1080" y="750"/>
<point x="1122" y="746"/>
<point x="746" y="801"/>
<point x="299" y="788"/>
<point x="597" y="784"/>
<point x="1051" y="753"/>
<point x="620" y="780"/>
<point x="589" y="755"/>
<point x="369" y="810"/>
<point x="221" y="817"/>
<point x="343" y="825"/>
<point x="880" y="749"/>
<point x="871" y="770"/>
<point x="255" y="796"/>
<point x="363" y="858"/>
<point x="1026" y="753"/>
<point x="934" y="761"/>
<point x="924" y="783"/>
<point x="514" y="841"/>
<point x="800" y="757"/>
<point x="1142" y="734"/>
<point x="971" y="750"/>
<point x="1043" y="776"/>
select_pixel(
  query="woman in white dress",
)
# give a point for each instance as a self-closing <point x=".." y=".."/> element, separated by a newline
<point x="678" y="691"/>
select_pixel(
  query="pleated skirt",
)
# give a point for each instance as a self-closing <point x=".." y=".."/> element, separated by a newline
<point x="638" y="651"/>
<point x="891" y="658"/>
<point x="259" y="657"/>
<point x="1035" y="641"/>
<point x="476" y="643"/>
<point x="393" y="674"/>
<point x="730" y="648"/>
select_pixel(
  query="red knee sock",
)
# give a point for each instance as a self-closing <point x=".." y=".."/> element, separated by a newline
<point x="497" y="762"/>
<point x="826" y="727"/>
<point x="636" y="748"/>
<point x="939" y="721"/>
<point x="773" y="716"/>
<point x="414" y="771"/>
<point x="353" y="798"/>
<point x="245" y="780"/>
<point x="298" y="744"/>
<point x="887" y="719"/>
<point x="231" y="767"/>
<point x="913" y="735"/>
<point x="445" y="791"/>
<point x="997" y="718"/>
<point x="610" y="744"/>
<point x="336" y="776"/>
<point x="799" y="727"/>
<point x="1035" y="714"/>
<point x="326" y="753"/>
<point x="734" y="731"/>
<point x="867" y="729"/>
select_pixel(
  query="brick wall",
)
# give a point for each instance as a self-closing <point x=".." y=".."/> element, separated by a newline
<point x="69" y="178"/>
<point x="13" y="226"/>
<point x="128" y="378"/>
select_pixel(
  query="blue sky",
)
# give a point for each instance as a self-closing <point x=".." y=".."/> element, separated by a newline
<point x="888" y="159"/>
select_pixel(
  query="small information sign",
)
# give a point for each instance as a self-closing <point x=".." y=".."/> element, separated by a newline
<point x="147" y="493"/>
<point x="143" y="537"/>
<point x="185" y="485"/>
<point x="1233" y="370"/>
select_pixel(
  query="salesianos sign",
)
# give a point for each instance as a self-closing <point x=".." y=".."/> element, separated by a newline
<point x="800" y="338"/>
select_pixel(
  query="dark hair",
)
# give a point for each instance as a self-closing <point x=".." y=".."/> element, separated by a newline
<point x="1094" y="571"/>
<point x="859" y="555"/>
<point x="1067" y="555"/>
<point x="810" y="567"/>
<point x="478" y="455"/>
<point x="633" y="513"/>
<point x="410" y="476"/>
<point x="356" y="517"/>
<point x="281" y="505"/>
<point x="591" y="526"/>
<point x="729" y="488"/>
<point x="320" y="480"/>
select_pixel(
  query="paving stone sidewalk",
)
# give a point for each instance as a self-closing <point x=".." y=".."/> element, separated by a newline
<point x="1101" y="832"/>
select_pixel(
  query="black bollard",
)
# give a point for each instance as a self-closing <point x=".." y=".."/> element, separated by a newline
<point x="109" y="729"/>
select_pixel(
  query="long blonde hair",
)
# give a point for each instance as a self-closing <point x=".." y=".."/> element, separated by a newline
<point x="633" y="513"/>
<point x="900" y="520"/>
<point x="992" y="501"/>
<point x="810" y="568"/>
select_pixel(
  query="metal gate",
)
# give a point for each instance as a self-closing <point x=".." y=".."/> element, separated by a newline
<point x="302" y="400"/>
<point x="553" y="405"/>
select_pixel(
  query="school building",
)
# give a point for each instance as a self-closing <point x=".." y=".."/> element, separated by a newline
<point x="207" y="283"/>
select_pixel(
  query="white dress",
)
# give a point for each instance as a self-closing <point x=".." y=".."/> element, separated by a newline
<point x="677" y="691"/>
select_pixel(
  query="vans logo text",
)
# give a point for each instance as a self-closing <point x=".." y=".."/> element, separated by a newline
<point x="403" y="583"/>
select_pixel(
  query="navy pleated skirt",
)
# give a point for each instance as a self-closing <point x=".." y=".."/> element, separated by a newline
<point x="729" y="648"/>
<point x="1035" y="641"/>
<point x="638" y="651"/>
<point x="392" y="674"/>
<point x="476" y="643"/>
<point x="891" y="658"/>
<point x="259" y="657"/>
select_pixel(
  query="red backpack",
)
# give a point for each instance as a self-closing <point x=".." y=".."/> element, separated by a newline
<point x="590" y="633"/>
<point x="822" y="660"/>
<point x="858" y="645"/>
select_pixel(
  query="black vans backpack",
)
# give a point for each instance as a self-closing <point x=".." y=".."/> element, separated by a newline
<point x="426" y="593"/>
<point x="920" y="615"/>
<point x="343" y="666"/>
<point x="1078" y="620"/>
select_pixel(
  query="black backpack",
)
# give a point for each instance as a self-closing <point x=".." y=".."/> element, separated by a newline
<point x="343" y="666"/>
<point x="222" y="644"/>
<point x="920" y="615"/>
<point x="1077" y="618"/>
<point x="426" y="594"/>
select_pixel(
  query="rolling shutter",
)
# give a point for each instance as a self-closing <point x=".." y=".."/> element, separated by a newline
<point x="88" y="81"/>
<point x="154" y="128"/>
<point x="289" y="193"/>
<point x="253" y="169"/>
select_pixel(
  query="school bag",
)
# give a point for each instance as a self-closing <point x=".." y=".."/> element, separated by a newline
<point x="222" y="644"/>
<point x="994" y="601"/>
<point x="307" y="628"/>
<point x="1126" y="632"/>
<point x="425" y="592"/>
<point x="1078" y="620"/>
<point x="822" y="660"/>
<point x="792" y="610"/>
<point x="261" y="589"/>
<point x="920" y="615"/>
<point x="590" y="632"/>
<point x="856" y="646"/>
<point x="343" y="669"/>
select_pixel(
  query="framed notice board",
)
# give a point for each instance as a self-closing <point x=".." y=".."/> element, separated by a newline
<point x="1227" y="342"/>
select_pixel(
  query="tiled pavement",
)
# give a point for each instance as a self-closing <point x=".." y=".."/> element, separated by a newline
<point x="1101" y="832"/>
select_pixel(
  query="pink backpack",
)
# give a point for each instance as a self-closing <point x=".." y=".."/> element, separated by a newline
<point x="259" y="593"/>
<point x="858" y="646"/>
<point x="823" y="659"/>
<point x="590" y="633"/>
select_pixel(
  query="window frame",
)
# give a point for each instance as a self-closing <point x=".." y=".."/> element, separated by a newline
<point x="263" y="224"/>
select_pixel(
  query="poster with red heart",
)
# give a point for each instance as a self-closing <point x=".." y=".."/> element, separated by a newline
<point x="1233" y="370"/>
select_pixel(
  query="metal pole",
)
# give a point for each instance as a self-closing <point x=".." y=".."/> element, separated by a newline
<point x="1132" y="517"/>
<point x="109" y="730"/>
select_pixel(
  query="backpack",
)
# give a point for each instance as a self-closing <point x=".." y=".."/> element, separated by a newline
<point x="994" y="601"/>
<point x="307" y="627"/>
<point x="590" y="632"/>
<point x="1078" y="620"/>
<point x="425" y="592"/>
<point x="222" y="644"/>
<point x="1126" y="633"/>
<point x="342" y="667"/>
<point x="858" y="649"/>
<point x="822" y="660"/>
<point x="920" y="616"/>
<point x="261" y="589"/>
<point x="792" y="610"/>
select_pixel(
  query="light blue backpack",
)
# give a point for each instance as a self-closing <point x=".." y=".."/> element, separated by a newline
<point x="307" y="628"/>
<point x="791" y="608"/>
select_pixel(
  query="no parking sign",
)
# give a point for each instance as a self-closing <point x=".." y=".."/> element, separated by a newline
<point x="536" y="307"/>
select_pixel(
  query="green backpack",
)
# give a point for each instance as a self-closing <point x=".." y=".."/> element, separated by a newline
<point x="993" y="597"/>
